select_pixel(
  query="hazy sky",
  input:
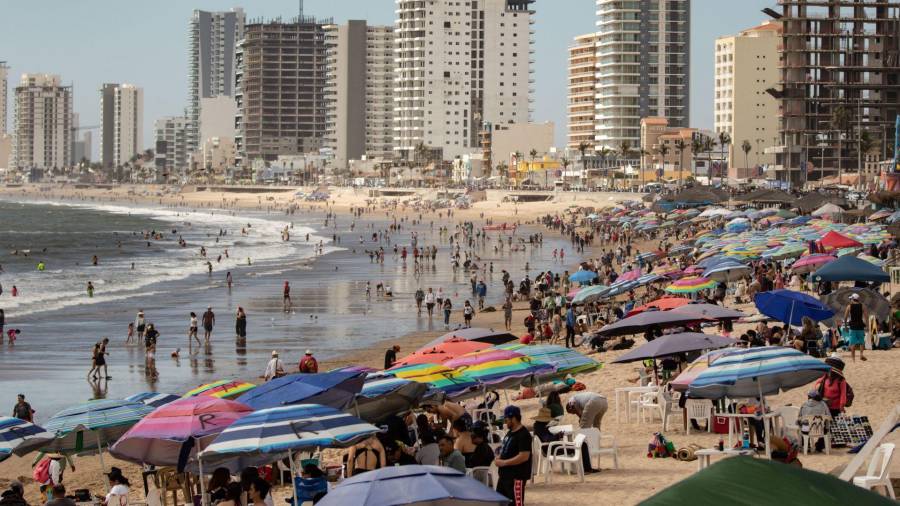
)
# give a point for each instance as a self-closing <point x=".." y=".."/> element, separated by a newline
<point x="89" y="42"/>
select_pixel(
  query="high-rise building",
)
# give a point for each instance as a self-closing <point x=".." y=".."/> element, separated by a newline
<point x="581" y="90"/>
<point x="172" y="153"/>
<point x="360" y="91"/>
<point x="840" y="80"/>
<point x="213" y="37"/>
<point x="459" y="65"/>
<point x="280" y="88"/>
<point x="122" y="123"/>
<point x="4" y="93"/>
<point x="643" y="67"/>
<point x="43" y="123"/>
<point x="746" y="65"/>
<point x="82" y="148"/>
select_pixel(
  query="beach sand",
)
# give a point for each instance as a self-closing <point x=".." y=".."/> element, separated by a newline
<point x="877" y="392"/>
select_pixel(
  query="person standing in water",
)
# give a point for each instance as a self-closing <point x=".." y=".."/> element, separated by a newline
<point x="90" y="289"/>
<point x="228" y="280"/>
<point x="140" y="325"/>
<point x="192" y="330"/>
<point x="240" y="323"/>
<point x="209" y="321"/>
<point x="286" y="297"/>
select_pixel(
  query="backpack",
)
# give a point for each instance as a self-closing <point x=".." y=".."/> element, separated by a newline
<point x="41" y="473"/>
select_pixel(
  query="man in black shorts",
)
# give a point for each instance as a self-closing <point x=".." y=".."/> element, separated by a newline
<point x="209" y="320"/>
<point x="514" y="462"/>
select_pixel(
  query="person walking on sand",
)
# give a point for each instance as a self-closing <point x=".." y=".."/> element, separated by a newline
<point x="507" y="313"/>
<point x="856" y="316"/>
<point x="308" y="364"/>
<point x="192" y="330"/>
<point x="209" y="321"/>
<point x="240" y="323"/>
<point x="286" y="297"/>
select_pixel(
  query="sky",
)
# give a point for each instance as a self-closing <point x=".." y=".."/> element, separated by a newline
<point x="90" y="42"/>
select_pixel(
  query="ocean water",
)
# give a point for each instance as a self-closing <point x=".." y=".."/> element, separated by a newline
<point x="331" y="314"/>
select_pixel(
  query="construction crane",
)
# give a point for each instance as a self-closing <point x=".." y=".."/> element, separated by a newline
<point x="89" y="127"/>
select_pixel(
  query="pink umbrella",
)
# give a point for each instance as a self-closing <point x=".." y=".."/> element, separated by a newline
<point x="694" y="269"/>
<point x="572" y="293"/>
<point x="630" y="275"/>
<point x="174" y="433"/>
<point x="811" y="263"/>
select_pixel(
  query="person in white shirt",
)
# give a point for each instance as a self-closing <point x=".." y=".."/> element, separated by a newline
<point x="118" y="493"/>
<point x="275" y="367"/>
<point x="429" y="302"/>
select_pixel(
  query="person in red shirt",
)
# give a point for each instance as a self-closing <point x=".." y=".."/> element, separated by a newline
<point x="833" y="387"/>
<point x="308" y="364"/>
<point x="528" y="338"/>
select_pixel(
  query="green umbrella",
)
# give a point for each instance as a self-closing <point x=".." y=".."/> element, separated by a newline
<point x="748" y="481"/>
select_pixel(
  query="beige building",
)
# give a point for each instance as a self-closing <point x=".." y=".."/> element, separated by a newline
<point x="747" y="64"/>
<point x="663" y="158"/>
<point x="581" y="89"/>
<point x="4" y="93"/>
<point x="122" y="123"/>
<point x="43" y="123"/>
<point x="521" y="138"/>
<point x="218" y="154"/>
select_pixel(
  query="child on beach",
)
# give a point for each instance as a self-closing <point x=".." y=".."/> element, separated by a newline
<point x="130" y="334"/>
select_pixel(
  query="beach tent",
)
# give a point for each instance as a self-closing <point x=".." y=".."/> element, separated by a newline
<point x="334" y="389"/>
<point x="835" y="240"/>
<point x="412" y="485"/>
<point x="790" y="307"/>
<point x="745" y="481"/>
<point x="850" y="268"/>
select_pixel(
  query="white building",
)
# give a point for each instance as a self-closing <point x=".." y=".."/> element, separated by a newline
<point x="359" y="91"/>
<point x="746" y="65"/>
<point x="458" y="64"/>
<point x="581" y="90"/>
<point x="218" y="154"/>
<point x="4" y="94"/>
<point x="643" y="67"/>
<point x="172" y="153"/>
<point x="43" y="123"/>
<point x="213" y="39"/>
<point x="121" y="123"/>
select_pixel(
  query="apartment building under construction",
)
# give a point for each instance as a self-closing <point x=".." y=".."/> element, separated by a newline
<point x="840" y="81"/>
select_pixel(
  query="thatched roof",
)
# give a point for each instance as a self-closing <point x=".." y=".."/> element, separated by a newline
<point x="885" y="198"/>
<point x="698" y="195"/>
<point x="767" y="196"/>
<point x="814" y="200"/>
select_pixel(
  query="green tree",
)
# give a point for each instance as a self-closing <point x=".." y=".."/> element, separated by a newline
<point x="746" y="147"/>
<point x="680" y="145"/>
<point x="696" y="148"/>
<point x="840" y="122"/>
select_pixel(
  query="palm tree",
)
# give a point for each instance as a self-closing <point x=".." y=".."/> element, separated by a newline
<point x="696" y="147"/>
<point x="582" y="148"/>
<point x="746" y="147"/>
<point x="643" y="154"/>
<point x="502" y="169"/>
<point x="840" y="121"/>
<point x="680" y="145"/>
<point x="724" y="141"/>
<point x="565" y="162"/>
<point x="148" y="155"/>
<point x="662" y="151"/>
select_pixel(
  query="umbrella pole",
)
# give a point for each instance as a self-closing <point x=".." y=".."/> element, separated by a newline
<point x="102" y="465"/>
<point x="762" y="407"/>
<point x="202" y="483"/>
<point x="790" y="318"/>
<point x="293" y="475"/>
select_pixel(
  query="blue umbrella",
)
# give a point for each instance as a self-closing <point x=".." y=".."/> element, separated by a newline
<point x="726" y="271"/>
<point x="401" y="485"/>
<point x="850" y="268"/>
<point x="269" y="434"/>
<point x="583" y="276"/>
<point x="335" y="389"/>
<point x="154" y="399"/>
<point x="20" y="437"/>
<point x="589" y="292"/>
<point x="384" y="394"/>
<point x="790" y="307"/>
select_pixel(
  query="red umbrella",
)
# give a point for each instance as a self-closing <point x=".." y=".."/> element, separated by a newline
<point x="834" y="240"/>
<point x="440" y="353"/>
<point x="663" y="304"/>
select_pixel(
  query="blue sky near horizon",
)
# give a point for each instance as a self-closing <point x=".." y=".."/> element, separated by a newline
<point x="90" y="42"/>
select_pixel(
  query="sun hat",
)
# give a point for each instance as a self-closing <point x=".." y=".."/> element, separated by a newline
<point x="543" y="415"/>
<point x="274" y="353"/>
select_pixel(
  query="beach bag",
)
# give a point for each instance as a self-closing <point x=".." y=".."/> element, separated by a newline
<point x="41" y="472"/>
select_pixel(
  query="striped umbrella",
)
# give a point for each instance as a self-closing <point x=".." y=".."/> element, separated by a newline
<point x="499" y="367"/>
<point x="102" y="421"/>
<point x="690" y="372"/>
<point x="440" y="377"/>
<point x="691" y="285"/>
<point x="811" y="263"/>
<point x="222" y="389"/>
<point x="384" y="394"/>
<point x="154" y="399"/>
<point x="20" y="437"/>
<point x="589" y="293"/>
<point x="269" y="434"/>
<point x="172" y="434"/>
<point x="756" y="371"/>
<point x="564" y="360"/>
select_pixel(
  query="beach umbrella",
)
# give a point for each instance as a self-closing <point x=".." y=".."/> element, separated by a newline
<point x="583" y="276"/>
<point x="384" y="394"/>
<point x="757" y="372"/>
<point x="737" y="481"/>
<point x="835" y="240"/>
<point x="94" y="424"/>
<point x="588" y="293"/>
<point x="270" y="434"/>
<point x="726" y="272"/>
<point x="18" y="437"/>
<point x="648" y="319"/>
<point x="441" y="352"/>
<point x="449" y="381"/>
<point x="154" y="399"/>
<point x="663" y="304"/>
<point x="880" y="214"/>
<point x="335" y="389"/>
<point x="709" y="311"/>
<point x="799" y="220"/>
<point x="564" y="360"/>
<point x="630" y="275"/>
<point x="499" y="367"/>
<point x="173" y="434"/>
<point x="412" y="485"/>
<point x="481" y="335"/>
<point x="687" y="375"/>
<point x="850" y="268"/>
<point x="222" y="389"/>
<point x="691" y="285"/>
<point x="790" y="307"/>
<point x="673" y="344"/>
<point x="874" y="302"/>
<point x="828" y="209"/>
<point x="810" y="263"/>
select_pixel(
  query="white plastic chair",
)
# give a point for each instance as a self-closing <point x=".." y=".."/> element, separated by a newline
<point x="484" y="474"/>
<point x="878" y="474"/>
<point x="816" y="430"/>
<point x="700" y="410"/>
<point x="790" y="417"/>
<point x="537" y="456"/>
<point x="560" y="452"/>
<point x="649" y="403"/>
<point x="668" y="408"/>
<point x="594" y="439"/>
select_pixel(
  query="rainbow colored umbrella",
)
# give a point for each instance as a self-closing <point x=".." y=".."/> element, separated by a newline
<point x="564" y="360"/>
<point x="440" y="377"/>
<point x="691" y="285"/>
<point x="442" y="352"/>
<point x="499" y="367"/>
<point x="222" y="389"/>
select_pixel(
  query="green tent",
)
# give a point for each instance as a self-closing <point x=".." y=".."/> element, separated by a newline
<point x="749" y="481"/>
